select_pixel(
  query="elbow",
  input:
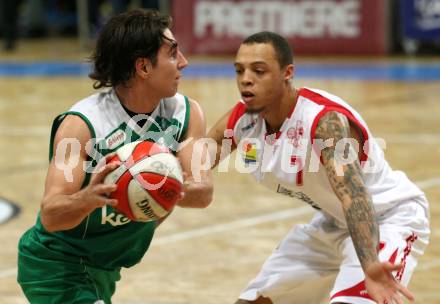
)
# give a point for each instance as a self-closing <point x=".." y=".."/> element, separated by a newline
<point x="45" y="218"/>
<point x="201" y="203"/>
<point x="49" y="228"/>
<point x="200" y="198"/>
<point x="46" y="223"/>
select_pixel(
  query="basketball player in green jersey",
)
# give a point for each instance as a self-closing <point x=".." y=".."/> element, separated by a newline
<point x="79" y="243"/>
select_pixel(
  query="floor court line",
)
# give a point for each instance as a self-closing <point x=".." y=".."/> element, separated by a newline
<point x="247" y="222"/>
<point x="428" y="265"/>
<point x="25" y="131"/>
<point x="278" y="215"/>
<point x="421" y="138"/>
<point x="8" y="273"/>
<point x="428" y="183"/>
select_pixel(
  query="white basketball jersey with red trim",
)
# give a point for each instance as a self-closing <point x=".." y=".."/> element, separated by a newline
<point x="289" y="162"/>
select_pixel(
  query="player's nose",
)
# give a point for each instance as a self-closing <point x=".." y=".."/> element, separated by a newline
<point x="246" y="78"/>
<point x="182" y="62"/>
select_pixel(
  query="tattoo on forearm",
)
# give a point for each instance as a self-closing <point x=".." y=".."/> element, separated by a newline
<point x="350" y="189"/>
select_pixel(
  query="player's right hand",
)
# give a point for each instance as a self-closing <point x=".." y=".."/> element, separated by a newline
<point x="96" y="192"/>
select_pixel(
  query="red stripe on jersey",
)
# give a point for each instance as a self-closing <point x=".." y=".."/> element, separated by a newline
<point x="329" y="106"/>
<point x="237" y="112"/>
<point x="296" y="161"/>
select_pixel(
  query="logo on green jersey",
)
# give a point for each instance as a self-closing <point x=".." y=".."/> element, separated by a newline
<point x="114" y="219"/>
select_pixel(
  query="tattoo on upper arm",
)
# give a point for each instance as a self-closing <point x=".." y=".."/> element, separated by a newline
<point x="350" y="188"/>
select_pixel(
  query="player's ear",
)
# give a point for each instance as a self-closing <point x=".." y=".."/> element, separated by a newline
<point x="143" y="67"/>
<point x="289" y="72"/>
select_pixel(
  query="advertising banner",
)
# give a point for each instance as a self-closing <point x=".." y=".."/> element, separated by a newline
<point x="421" y="19"/>
<point x="312" y="26"/>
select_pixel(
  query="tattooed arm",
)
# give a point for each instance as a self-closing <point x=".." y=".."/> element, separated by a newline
<point x="349" y="188"/>
<point x="347" y="181"/>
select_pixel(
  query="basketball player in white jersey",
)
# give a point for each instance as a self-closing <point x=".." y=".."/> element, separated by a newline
<point x="76" y="250"/>
<point x="371" y="223"/>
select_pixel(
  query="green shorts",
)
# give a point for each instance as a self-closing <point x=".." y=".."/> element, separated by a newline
<point x="47" y="277"/>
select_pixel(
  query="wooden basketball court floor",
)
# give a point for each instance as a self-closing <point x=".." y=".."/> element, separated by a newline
<point x="209" y="255"/>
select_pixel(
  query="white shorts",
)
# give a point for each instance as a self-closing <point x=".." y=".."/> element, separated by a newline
<point x="317" y="261"/>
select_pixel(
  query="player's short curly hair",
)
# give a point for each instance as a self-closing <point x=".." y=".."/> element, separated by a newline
<point x="282" y="48"/>
<point x="125" y="38"/>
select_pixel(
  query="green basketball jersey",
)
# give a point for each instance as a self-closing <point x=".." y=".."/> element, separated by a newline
<point x="107" y="239"/>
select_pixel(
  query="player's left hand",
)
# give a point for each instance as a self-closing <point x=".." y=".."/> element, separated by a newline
<point x="382" y="286"/>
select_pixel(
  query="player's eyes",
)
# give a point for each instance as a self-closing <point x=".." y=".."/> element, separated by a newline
<point x="260" y="72"/>
<point x="238" y="71"/>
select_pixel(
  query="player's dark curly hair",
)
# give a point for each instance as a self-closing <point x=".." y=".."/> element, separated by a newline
<point x="282" y="48"/>
<point x="125" y="38"/>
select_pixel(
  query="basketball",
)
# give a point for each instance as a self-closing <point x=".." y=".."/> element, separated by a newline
<point x="149" y="181"/>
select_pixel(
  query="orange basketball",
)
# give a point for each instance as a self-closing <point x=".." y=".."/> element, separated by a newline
<point x="149" y="181"/>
